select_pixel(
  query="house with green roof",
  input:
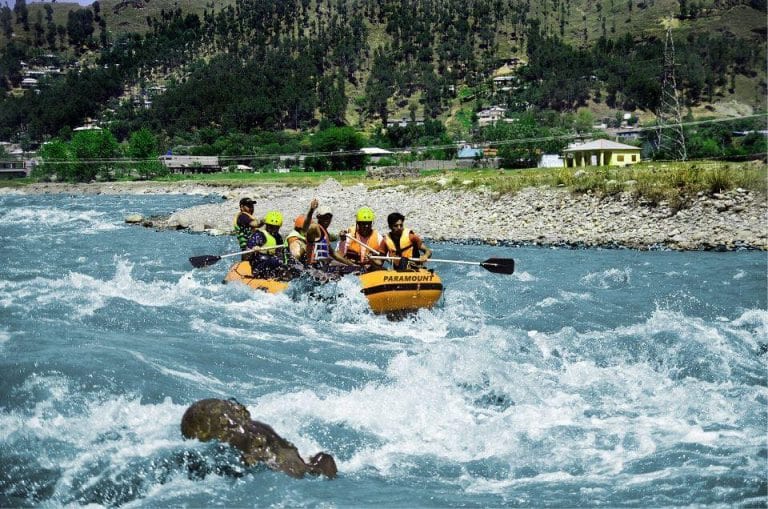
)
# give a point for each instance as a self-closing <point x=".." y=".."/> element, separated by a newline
<point x="600" y="153"/>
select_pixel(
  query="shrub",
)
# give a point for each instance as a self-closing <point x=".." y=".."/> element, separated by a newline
<point x="717" y="180"/>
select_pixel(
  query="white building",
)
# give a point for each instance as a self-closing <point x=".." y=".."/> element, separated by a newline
<point x="490" y="115"/>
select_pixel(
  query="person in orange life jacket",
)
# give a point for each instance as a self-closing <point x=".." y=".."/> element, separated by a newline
<point x="404" y="243"/>
<point x="297" y="239"/>
<point x="244" y="225"/>
<point x="319" y="249"/>
<point x="269" y="262"/>
<point x="362" y="231"/>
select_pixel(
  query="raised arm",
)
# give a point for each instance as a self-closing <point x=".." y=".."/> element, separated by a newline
<point x="308" y="218"/>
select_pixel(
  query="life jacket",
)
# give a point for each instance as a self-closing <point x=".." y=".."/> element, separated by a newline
<point x="320" y="249"/>
<point x="269" y="241"/>
<point x="406" y="250"/>
<point x="243" y="233"/>
<point x="297" y="236"/>
<point x="357" y="252"/>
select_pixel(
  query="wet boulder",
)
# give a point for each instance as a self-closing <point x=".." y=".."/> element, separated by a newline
<point x="229" y="421"/>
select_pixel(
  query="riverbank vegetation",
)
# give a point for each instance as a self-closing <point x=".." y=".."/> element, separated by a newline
<point x="245" y="67"/>
<point x="676" y="184"/>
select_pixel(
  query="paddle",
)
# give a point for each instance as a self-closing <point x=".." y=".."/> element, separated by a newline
<point x="207" y="260"/>
<point x="495" y="265"/>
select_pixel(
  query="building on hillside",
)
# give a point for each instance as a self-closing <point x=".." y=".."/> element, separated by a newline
<point x="600" y="153"/>
<point x="375" y="153"/>
<point x="406" y="121"/>
<point x="13" y="169"/>
<point x="504" y="82"/>
<point x="12" y="162"/>
<point x="628" y="133"/>
<point x="191" y="164"/>
<point x="490" y="115"/>
<point x="29" y="83"/>
<point x="87" y="127"/>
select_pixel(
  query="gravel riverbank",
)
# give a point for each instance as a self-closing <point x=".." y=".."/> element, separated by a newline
<point x="542" y="216"/>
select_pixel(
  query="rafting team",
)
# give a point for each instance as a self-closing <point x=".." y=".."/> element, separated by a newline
<point x="308" y="246"/>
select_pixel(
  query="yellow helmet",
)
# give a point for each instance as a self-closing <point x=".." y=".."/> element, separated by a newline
<point x="274" y="218"/>
<point x="365" y="215"/>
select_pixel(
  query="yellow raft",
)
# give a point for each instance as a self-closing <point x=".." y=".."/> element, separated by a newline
<point x="387" y="291"/>
<point x="390" y="291"/>
<point x="241" y="272"/>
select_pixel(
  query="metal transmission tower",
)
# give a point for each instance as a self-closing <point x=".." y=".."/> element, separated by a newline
<point x="668" y="119"/>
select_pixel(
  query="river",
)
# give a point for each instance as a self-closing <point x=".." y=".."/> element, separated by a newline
<point x="587" y="378"/>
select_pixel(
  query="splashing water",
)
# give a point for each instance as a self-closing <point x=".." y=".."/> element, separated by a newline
<point x="589" y="378"/>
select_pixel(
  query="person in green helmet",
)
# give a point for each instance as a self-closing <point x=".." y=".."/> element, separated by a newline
<point x="267" y="262"/>
<point x="361" y="241"/>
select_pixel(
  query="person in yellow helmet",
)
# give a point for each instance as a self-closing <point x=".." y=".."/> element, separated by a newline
<point x="267" y="262"/>
<point x="358" y="240"/>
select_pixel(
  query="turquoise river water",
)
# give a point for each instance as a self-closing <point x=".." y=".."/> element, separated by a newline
<point x="587" y="378"/>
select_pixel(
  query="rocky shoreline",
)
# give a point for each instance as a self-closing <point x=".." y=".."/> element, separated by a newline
<point x="535" y="216"/>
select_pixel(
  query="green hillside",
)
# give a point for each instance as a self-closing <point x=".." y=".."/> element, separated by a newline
<point x="644" y="17"/>
<point x="241" y="66"/>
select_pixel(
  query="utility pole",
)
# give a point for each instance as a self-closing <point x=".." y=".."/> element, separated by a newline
<point x="668" y="119"/>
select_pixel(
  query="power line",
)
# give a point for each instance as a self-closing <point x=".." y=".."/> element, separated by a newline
<point x="395" y="152"/>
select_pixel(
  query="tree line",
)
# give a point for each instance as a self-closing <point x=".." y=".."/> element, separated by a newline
<point x="626" y="72"/>
<point x="256" y="67"/>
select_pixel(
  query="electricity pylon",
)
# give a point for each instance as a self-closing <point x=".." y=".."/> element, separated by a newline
<point x="668" y="118"/>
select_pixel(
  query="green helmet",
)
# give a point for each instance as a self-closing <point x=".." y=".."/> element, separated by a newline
<point x="274" y="218"/>
<point x="365" y="215"/>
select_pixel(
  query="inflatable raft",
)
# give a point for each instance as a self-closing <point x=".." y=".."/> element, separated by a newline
<point x="390" y="291"/>
<point x="241" y="272"/>
<point x="387" y="291"/>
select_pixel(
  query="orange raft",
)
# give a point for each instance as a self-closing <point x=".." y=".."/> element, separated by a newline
<point x="387" y="291"/>
<point x="390" y="291"/>
<point x="241" y="272"/>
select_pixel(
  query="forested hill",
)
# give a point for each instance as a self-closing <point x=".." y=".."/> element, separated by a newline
<point x="252" y="65"/>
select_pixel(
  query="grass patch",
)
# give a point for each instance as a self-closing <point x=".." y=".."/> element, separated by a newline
<point x="17" y="182"/>
<point x="302" y="179"/>
<point x="676" y="184"/>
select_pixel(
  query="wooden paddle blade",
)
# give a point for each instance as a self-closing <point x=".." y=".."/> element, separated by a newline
<point x="499" y="265"/>
<point x="204" y="261"/>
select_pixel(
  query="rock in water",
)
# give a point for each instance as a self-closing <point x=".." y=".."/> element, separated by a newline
<point x="229" y="421"/>
<point x="134" y="218"/>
